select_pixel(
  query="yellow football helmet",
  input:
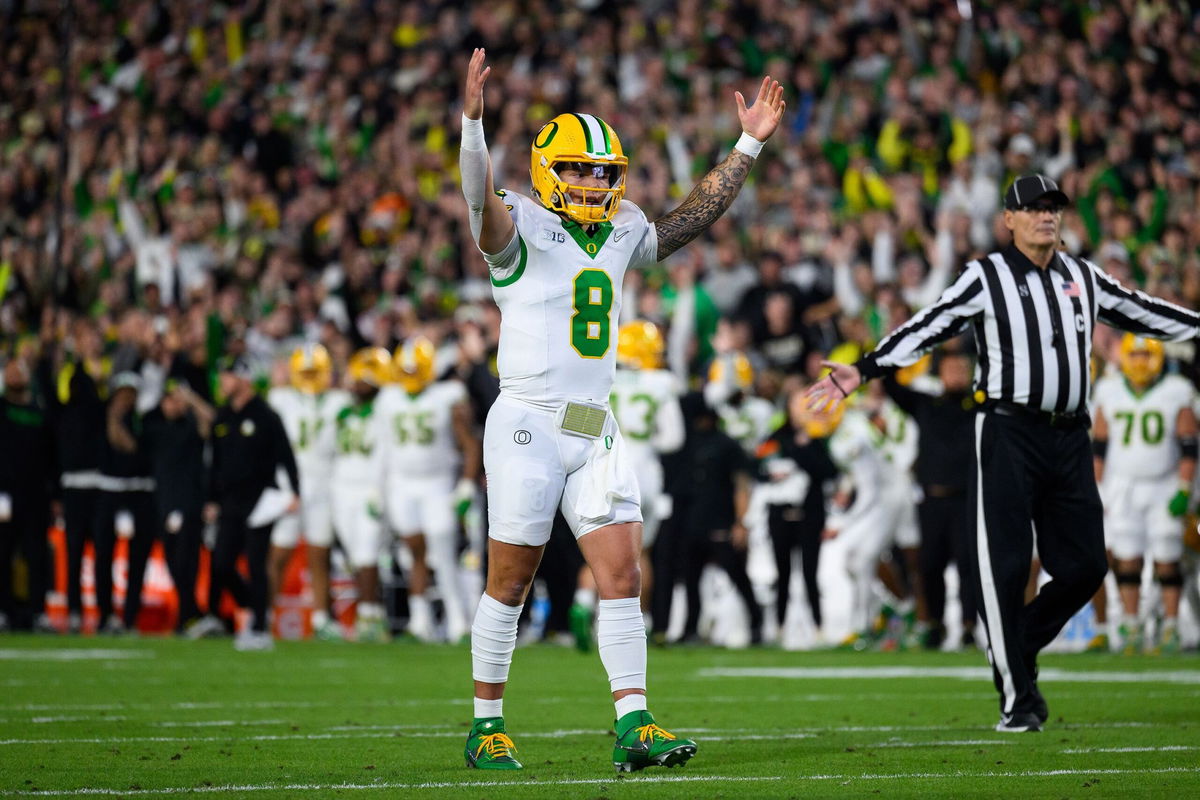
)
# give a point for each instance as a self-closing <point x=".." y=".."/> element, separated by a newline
<point x="820" y="423"/>
<point x="640" y="345"/>
<point x="372" y="366"/>
<point x="311" y="369"/>
<point x="589" y="145"/>
<point x="414" y="364"/>
<point x="734" y="365"/>
<point x="1141" y="359"/>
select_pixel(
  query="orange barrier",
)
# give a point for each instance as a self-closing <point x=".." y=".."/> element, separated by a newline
<point x="160" y="606"/>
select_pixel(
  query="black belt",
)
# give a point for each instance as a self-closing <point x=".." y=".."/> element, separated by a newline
<point x="1055" y="419"/>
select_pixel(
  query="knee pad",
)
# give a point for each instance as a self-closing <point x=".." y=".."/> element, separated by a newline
<point x="1172" y="579"/>
<point x="1128" y="578"/>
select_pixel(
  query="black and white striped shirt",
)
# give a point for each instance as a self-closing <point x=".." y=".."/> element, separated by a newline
<point x="1032" y="326"/>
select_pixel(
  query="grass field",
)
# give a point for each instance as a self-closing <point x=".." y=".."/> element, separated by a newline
<point x="158" y="717"/>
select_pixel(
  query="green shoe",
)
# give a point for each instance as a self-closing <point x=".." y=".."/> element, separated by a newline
<point x="641" y="744"/>
<point x="1130" y="638"/>
<point x="1168" y="641"/>
<point x="579" y="618"/>
<point x="1097" y="644"/>
<point x="331" y="631"/>
<point x="488" y="746"/>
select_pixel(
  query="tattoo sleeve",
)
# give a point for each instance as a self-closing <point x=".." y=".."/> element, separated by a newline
<point x="706" y="203"/>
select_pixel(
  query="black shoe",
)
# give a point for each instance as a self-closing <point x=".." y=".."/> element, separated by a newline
<point x="968" y="640"/>
<point x="1021" y="722"/>
<point x="934" y="637"/>
<point x="1040" y="709"/>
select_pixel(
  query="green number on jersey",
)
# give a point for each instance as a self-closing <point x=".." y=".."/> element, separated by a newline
<point x="309" y="430"/>
<point x="644" y="431"/>
<point x="590" y="328"/>
<point x="351" y="438"/>
<point x="1152" y="426"/>
<point x="414" y="428"/>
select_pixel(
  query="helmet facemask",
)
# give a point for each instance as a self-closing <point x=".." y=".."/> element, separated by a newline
<point x="583" y="145"/>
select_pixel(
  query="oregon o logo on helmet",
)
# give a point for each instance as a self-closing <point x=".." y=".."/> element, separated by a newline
<point x="522" y="437"/>
<point x="551" y="129"/>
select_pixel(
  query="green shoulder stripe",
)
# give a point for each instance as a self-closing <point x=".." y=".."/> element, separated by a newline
<point x="520" y="270"/>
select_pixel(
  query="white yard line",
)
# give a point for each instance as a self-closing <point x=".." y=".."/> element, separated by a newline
<point x="393" y="786"/>
<point x="938" y="743"/>
<point x="72" y="654"/>
<point x="1168" y="748"/>
<point x="958" y="673"/>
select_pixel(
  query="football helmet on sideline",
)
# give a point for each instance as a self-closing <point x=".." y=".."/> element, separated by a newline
<point x="311" y="369"/>
<point x="414" y="364"/>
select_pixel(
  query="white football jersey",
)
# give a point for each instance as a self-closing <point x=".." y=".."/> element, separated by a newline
<point x="900" y="444"/>
<point x="1141" y="428"/>
<point x="559" y="293"/>
<point x="646" y="405"/>
<point x="310" y="420"/>
<point x="418" y="432"/>
<point x="358" y="447"/>
<point x="857" y="447"/>
<point x="750" y="423"/>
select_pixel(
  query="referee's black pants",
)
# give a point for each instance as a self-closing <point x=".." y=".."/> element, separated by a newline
<point x="1029" y="475"/>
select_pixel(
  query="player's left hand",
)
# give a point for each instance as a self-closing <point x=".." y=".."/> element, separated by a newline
<point x="762" y="118"/>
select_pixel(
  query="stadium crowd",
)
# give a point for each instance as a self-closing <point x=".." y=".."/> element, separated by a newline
<point x="228" y="182"/>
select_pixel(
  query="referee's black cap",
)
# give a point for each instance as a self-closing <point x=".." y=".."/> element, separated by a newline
<point x="1028" y="189"/>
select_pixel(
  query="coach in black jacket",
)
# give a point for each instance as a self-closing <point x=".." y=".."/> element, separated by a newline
<point x="945" y="430"/>
<point x="249" y="447"/>
<point x="1032" y="309"/>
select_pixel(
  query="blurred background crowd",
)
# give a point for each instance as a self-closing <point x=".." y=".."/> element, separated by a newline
<point x="185" y="181"/>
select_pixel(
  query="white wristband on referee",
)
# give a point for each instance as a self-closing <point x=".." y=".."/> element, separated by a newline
<point x="749" y="145"/>
<point x="472" y="134"/>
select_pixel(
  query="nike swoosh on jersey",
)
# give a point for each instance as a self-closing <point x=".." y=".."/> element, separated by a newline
<point x="619" y="236"/>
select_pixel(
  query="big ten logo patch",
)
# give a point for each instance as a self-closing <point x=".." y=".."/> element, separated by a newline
<point x="558" y="237"/>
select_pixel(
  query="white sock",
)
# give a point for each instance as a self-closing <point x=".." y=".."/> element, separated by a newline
<point x="420" y="614"/>
<point x="320" y="618"/>
<point x="630" y="702"/>
<point x="485" y="709"/>
<point x="586" y="598"/>
<point x="622" y="644"/>
<point x="493" y="637"/>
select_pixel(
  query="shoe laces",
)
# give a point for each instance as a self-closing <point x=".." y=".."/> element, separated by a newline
<point x="651" y="732"/>
<point x="498" y="745"/>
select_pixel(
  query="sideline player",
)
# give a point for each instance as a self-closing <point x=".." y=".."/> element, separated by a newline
<point x="557" y="262"/>
<point x="309" y="409"/>
<point x="431" y="460"/>
<point x="1144" y="435"/>
<point x="357" y="487"/>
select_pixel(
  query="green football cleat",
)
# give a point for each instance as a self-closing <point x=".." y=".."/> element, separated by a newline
<point x="579" y="618"/>
<point x="488" y="746"/>
<point x="641" y="744"/>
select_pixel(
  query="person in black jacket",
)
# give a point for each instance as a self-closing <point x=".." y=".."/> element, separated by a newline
<point x="719" y="473"/>
<point x="75" y="387"/>
<point x="946" y="425"/>
<point x="28" y="483"/>
<point x="175" y="434"/>
<point x="250" y="446"/>
<point x="126" y="504"/>
<point x="795" y="464"/>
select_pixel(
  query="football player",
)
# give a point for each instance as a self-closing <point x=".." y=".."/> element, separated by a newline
<point x="431" y="459"/>
<point x="309" y="409"/>
<point x="730" y="390"/>
<point x="357" y="486"/>
<point x="556" y="262"/>
<point x="1144" y="440"/>
<point x="645" y="402"/>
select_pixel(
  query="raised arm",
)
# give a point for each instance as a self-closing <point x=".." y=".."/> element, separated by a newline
<point x="491" y="225"/>
<point x="716" y="190"/>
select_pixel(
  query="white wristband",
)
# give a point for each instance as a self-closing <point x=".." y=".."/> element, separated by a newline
<point x="472" y="134"/>
<point x="749" y="145"/>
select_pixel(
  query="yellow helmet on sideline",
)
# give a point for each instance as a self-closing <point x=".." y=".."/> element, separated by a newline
<point x="413" y="363"/>
<point x="1141" y="359"/>
<point x="640" y="345"/>
<point x="586" y="143"/>
<point x="372" y="366"/>
<point x="732" y="367"/>
<point x="310" y="368"/>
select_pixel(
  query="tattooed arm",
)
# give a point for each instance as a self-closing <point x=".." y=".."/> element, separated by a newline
<point x="707" y="202"/>
<point x="716" y="190"/>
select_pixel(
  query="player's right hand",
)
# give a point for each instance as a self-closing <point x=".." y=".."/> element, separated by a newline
<point x="838" y="384"/>
<point x="477" y="75"/>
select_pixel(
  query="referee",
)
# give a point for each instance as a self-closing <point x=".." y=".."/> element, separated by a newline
<point x="1032" y="310"/>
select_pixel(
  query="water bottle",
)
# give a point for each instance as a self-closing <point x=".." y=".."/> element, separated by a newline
<point x="539" y="612"/>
